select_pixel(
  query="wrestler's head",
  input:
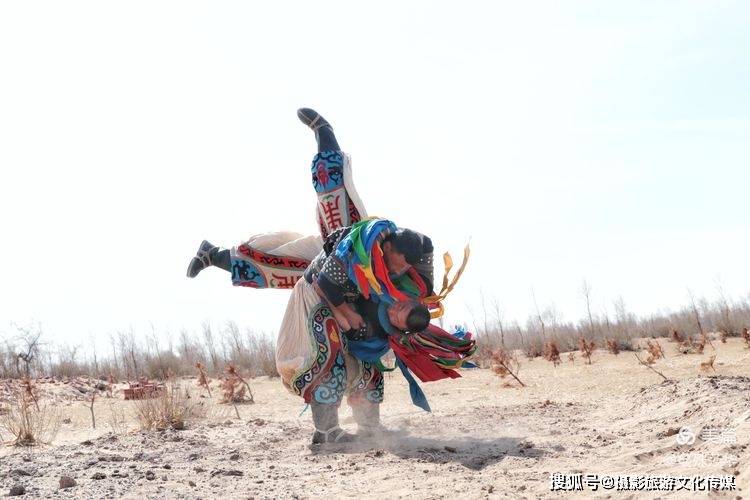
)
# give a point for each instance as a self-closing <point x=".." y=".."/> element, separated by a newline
<point x="401" y="250"/>
<point x="409" y="316"/>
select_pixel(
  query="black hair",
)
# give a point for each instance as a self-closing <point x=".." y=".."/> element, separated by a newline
<point x="418" y="318"/>
<point x="408" y="243"/>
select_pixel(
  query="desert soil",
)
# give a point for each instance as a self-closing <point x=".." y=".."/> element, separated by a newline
<point x="482" y="440"/>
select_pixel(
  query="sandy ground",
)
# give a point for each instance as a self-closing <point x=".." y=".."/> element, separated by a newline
<point x="482" y="440"/>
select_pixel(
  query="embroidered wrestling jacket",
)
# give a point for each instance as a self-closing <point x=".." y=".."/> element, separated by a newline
<point x="330" y="273"/>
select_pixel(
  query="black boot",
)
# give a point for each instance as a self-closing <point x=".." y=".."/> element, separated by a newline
<point x="208" y="255"/>
<point x="323" y="130"/>
<point x="327" y="430"/>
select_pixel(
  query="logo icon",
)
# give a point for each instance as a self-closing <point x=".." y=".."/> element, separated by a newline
<point x="685" y="437"/>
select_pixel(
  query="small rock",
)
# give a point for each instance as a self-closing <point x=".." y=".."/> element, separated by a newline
<point x="671" y="431"/>
<point x="150" y="475"/>
<point x="66" y="420"/>
<point x="17" y="490"/>
<point x="191" y="483"/>
<point x="88" y="442"/>
<point x="450" y="449"/>
<point x="67" y="482"/>
<point x="234" y="456"/>
<point x="230" y="472"/>
<point x="167" y="466"/>
<point x="98" y="475"/>
<point x="20" y="472"/>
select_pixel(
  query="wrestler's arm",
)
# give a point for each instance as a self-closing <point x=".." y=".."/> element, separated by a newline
<point x="337" y="313"/>
<point x="331" y="283"/>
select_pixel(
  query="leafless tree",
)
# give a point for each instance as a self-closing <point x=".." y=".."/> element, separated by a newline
<point x="586" y="291"/>
<point x="538" y="315"/>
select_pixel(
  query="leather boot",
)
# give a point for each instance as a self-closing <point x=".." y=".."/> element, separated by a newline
<point x="323" y="130"/>
<point x="367" y="416"/>
<point x="326" y="420"/>
<point x="208" y="255"/>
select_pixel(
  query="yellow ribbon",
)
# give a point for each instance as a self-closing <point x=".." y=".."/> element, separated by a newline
<point x="448" y="284"/>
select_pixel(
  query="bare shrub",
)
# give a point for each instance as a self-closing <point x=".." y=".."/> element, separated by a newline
<point x="571" y="356"/>
<point x="613" y="346"/>
<point x="676" y="337"/>
<point x="505" y="363"/>
<point x="654" y="351"/>
<point x="235" y="388"/>
<point x="723" y="336"/>
<point x="648" y="364"/>
<point x="116" y="417"/>
<point x="587" y="348"/>
<point x="692" y="346"/>
<point x="708" y="365"/>
<point x="533" y="350"/>
<point x="171" y="408"/>
<point x="203" y="380"/>
<point x="551" y="352"/>
<point x="26" y="420"/>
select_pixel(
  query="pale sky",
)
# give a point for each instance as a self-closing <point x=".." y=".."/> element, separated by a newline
<point x="567" y="139"/>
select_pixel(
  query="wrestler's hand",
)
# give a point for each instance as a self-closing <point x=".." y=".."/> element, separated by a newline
<point x="356" y="320"/>
<point x="341" y="320"/>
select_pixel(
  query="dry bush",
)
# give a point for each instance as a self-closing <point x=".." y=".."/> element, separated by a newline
<point x="203" y="380"/>
<point x="708" y="365"/>
<point x="613" y="346"/>
<point x="675" y="337"/>
<point x="587" y="348"/>
<point x="746" y="336"/>
<point x="533" y="350"/>
<point x="171" y="408"/>
<point x="723" y="336"/>
<point x="654" y="351"/>
<point x="235" y="389"/>
<point x="571" y="356"/>
<point x="691" y="346"/>
<point x="117" y="419"/>
<point x="26" y="420"/>
<point x="551" y="352"/>
<point x="648" y="363"/>
<point x="30" y="390"/>
<point x="505" y="363"/>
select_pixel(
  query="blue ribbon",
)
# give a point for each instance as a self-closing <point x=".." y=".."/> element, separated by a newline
<point x="417" y="395"/>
